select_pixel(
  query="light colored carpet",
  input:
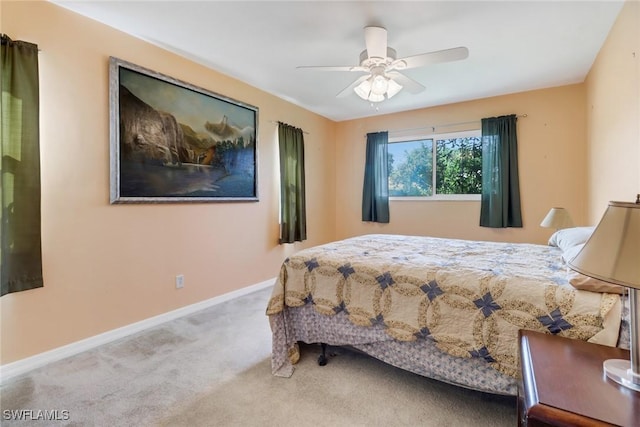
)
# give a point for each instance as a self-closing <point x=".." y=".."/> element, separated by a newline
<point x="212" y="368"/>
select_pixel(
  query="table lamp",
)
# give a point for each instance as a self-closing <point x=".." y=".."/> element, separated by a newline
<point x="612" y="254"/>
<point x="557" y="218"/>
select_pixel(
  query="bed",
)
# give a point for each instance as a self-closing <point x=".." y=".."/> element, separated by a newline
<point x="447" y="309"/>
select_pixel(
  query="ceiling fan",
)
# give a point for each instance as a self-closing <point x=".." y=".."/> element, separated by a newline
<point x="384" y="79"/>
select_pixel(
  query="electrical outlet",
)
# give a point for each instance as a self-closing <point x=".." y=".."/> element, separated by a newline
<point x="180" y="281"/>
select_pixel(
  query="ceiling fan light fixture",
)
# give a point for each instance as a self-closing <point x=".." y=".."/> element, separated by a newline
<point x="374" y="97"/>
<point x="377" y="88"/>
<point x="393" y="88"/>
<point x="363" y="89"/>
<point x="379" y="85"/>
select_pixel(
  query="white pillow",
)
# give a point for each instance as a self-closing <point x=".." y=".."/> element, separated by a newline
<point x="570" y="237"/>
<point x="570" y="253"/>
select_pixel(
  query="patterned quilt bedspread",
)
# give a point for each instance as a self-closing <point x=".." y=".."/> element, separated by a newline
<point x="469" y="297"/>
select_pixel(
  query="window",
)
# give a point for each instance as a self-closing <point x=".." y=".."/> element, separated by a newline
<point x="443" y="166"/>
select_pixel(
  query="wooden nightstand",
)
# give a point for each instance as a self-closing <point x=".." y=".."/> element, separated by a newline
<point x="563" y="384"/>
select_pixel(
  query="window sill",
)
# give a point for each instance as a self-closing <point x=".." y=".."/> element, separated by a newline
<point x="439" y="198"/>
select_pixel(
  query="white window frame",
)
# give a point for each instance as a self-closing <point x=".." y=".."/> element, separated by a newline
<point x="434" y="137"/>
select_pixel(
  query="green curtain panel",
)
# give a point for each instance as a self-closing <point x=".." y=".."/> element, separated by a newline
<point x="375" y="192"/>
<point x="21" y="253"/>
<point x="500" y="205"/>
<point x="293" y="212"/>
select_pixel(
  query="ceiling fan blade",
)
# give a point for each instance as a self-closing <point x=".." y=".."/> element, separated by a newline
<point x="446" y="55"/>
<point x="406" y="82"/>
<point x="375" y="39"/>
<point x="349" y="89"/>
<point x="333" y="68"/>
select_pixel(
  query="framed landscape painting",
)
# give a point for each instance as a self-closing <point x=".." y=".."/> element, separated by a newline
<point x="175" y="142"/>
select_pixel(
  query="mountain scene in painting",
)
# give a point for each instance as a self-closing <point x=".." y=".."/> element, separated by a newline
<point x="175" y="142"/>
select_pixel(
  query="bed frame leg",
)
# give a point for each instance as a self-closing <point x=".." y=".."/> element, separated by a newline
<point x="322" y="359"/>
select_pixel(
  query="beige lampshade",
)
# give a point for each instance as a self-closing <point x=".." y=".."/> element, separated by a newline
<point x="557" y="218"/>
<point x="612" y="253"/>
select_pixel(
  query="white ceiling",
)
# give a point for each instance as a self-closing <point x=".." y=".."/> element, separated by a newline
<point x="513" y="46"/>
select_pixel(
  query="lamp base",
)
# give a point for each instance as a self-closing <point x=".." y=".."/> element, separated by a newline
<point x="619" y="370"/>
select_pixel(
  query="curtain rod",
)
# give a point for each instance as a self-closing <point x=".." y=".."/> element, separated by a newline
<point x="276" y="122"/>
<point x="434" y="127"/>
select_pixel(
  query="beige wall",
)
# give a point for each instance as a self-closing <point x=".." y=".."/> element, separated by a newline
<point x="551" y="150"/>
<point x="613" y="115"/>
<point x="106" y="266"/>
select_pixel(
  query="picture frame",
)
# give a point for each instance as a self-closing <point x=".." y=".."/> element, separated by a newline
<point x="173" y="142"/>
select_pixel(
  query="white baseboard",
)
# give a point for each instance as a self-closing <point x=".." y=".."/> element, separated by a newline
<point x="22" y="366"/>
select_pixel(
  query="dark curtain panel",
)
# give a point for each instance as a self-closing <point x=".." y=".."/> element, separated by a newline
<point x="500" y="206"/>
<point x="375" y="192"/>
<point x="21" y="256"/>
<point x="293" y="214"/>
